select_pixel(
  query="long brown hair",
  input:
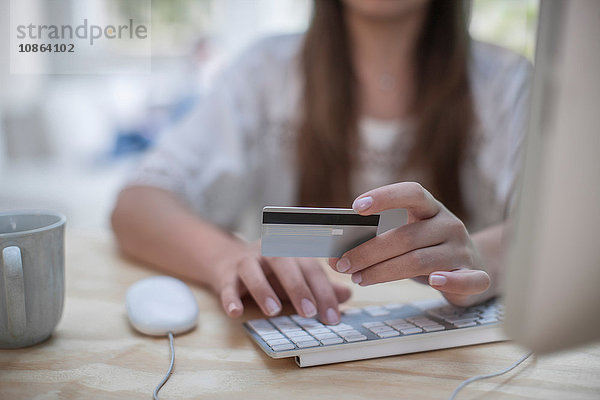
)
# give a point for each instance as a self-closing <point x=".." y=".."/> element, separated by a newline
<point x="442" y="109"/>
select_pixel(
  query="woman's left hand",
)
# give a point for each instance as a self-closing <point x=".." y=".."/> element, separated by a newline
<point x="434" y="246"/>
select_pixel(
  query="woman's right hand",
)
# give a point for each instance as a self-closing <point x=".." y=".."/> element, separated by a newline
<point x="269" y="280"/>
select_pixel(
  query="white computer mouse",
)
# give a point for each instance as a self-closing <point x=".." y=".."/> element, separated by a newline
<point x="161" y="304"/>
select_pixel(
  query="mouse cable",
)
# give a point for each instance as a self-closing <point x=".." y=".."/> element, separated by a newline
<point x="479" y="377"/>
<point x="168" y="374"/>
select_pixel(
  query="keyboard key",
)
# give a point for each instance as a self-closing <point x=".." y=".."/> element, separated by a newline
<point x="487" y="320"/>
<point x="281" y="347"/>
<point x="356" y="338"/>
<point x="352" y="311"/>
<point x="318" y="330"/>
<point x="425" y="322"/>
<point x="411" y="331"/>
<point x="299" y="335"/>
<point x="464" y="324"/>
<point x="261" y="332"/>
<point x="274" y="342"/>
<point x="283" y="322"/>
<point x="420" y="321"/>
<point x="259" y="324"/>
<point x="468" y="315"/>
<point x="306" y="323"/>
<point x="329" y="335"/>
<point x="308" y="343"/>
<point x="292" y="330"/>
<point x="346" y="334"/>
<point x="296" y="318"/>
<point x="299" y="339"/>
<point x="269" y="336"/>
<point x="373" y="324"/>
<point x="296" y="333"/>
<point x="261" y="327"/>
<point x="329" y="341"/>
<point x="311" y="325"/>
<point x="302" y="320"/>
<point x="399" y="327"/>
<point x="433" y="328"/>
<point x="453" y="320"/>
<point x="376" y="311"/>
<point x="340" y="327"/>
<point x="394" y="321"/>
<point x="285" y="326"/>
<point x="385" y="328"/>
<point x="389" y="333"/>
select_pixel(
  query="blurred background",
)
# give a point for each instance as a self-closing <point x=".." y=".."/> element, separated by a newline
<point x="68" y="141"/>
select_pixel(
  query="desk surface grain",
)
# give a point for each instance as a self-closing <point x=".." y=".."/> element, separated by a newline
<point x="94" y="353"/>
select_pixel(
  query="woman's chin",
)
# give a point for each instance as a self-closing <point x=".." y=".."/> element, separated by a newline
<point x="385" y="9"/>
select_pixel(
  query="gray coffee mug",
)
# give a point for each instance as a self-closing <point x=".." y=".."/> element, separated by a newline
<point x="32" y="276"/>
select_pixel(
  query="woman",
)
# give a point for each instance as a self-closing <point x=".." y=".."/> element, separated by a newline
<point x="374" y="93"/>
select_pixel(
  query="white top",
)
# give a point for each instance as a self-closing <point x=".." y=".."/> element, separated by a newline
<point x="235" y="152"/>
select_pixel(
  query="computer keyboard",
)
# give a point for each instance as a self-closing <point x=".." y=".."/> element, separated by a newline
<point x="378" y="331"/>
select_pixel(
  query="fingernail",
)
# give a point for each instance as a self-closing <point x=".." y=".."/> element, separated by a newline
<point x="343" y="264"/>
<point x="232" y="307"/>
<point x="332" y="316"/>
<point x="437" y="280"/>
<point x="357" y="277"/>
<point x="362" y="204"/>
<point x="308" y="308"/>
<point x="271" y="306"/>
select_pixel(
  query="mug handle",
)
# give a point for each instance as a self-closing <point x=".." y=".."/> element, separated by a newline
<point x="14" y="287"/>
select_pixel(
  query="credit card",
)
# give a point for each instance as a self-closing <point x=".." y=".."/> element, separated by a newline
<point x="318" y="232"/>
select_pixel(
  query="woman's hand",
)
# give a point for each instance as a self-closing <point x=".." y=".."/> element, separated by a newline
<point x="271" y="279"/>
<point x="434" y="246"/>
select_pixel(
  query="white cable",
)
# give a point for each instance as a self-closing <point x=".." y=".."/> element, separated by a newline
<point x="479" y="377"/>
<point x="168" y="375"/>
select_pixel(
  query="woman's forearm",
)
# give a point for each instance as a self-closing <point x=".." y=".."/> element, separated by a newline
<point x="154" y="226"/>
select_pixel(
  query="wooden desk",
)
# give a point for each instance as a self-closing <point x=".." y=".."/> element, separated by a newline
<point x="94" y="353"/>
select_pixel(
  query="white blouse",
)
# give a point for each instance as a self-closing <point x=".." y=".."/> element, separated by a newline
<point x="234" y="153"/>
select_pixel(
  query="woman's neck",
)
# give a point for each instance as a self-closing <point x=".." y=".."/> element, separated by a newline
<point x="382" y="54"/>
